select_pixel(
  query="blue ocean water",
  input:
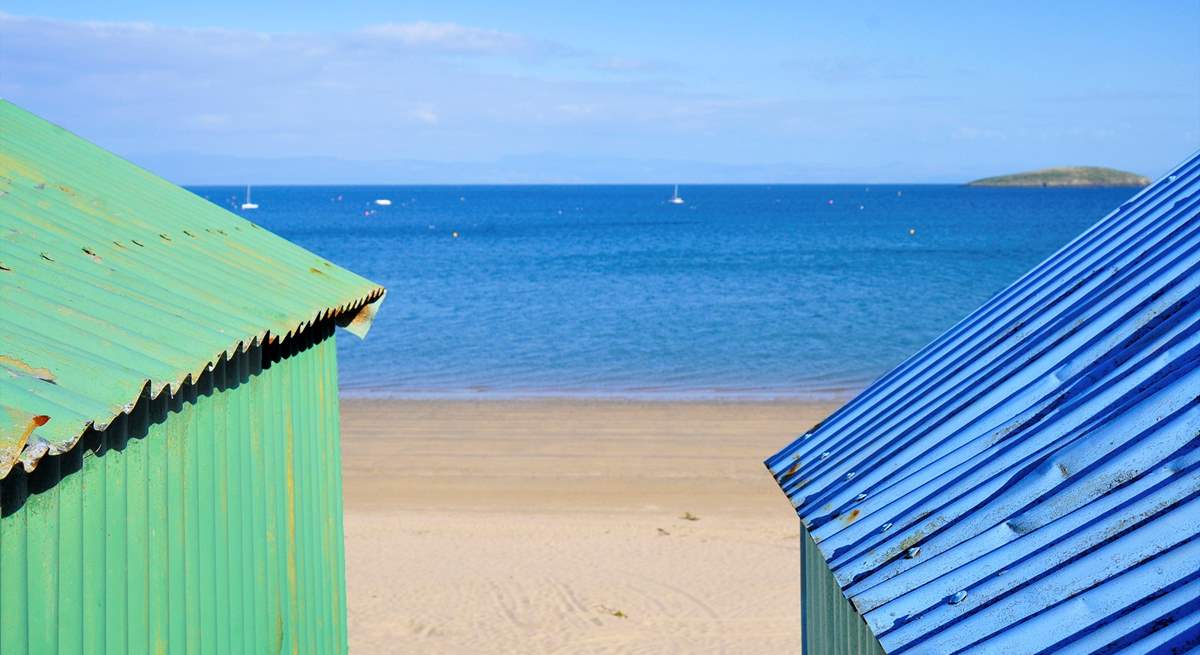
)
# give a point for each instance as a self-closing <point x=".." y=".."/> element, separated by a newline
<point x="743" y="291"/>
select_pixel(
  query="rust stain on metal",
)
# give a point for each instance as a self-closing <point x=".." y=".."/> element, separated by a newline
<point x="361" y="320"/>
<point x="43" y="374"/>
<point x="851" y="517"/>
<point x="903" y="547"/>
<point x="33" y="424"/>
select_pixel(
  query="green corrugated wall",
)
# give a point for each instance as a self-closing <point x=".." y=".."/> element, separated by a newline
<point x="210" y="522"/>
<point x="830" y="626"/>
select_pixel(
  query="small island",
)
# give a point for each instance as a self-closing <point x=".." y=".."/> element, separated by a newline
<point x="1066" y="176"/>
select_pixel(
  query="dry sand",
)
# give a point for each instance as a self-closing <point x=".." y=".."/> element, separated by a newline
<point x="557" y="527"/>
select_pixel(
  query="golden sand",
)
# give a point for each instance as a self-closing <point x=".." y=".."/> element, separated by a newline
<point x="570" y="527"/>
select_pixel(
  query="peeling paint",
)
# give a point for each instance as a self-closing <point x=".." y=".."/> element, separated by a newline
<point x="43" y="374"/>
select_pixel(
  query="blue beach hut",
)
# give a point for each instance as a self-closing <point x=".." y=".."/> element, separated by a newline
<point x="1029" y="482"/>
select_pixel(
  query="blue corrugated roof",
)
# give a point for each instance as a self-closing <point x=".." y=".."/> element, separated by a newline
<point x="1030" y="481"/>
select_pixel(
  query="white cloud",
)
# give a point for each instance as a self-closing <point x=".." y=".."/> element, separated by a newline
<point x="449" y="37"/>
<point x="447" y="91"/>
<point x="968" y="133"/>
<point x="628" y="65"/>
<point x="384" y="90"/>
<point x="211" y="120"/>
<point x="425" y="114"/>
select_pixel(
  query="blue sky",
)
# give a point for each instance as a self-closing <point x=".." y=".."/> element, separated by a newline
<point x="614" y="91"/>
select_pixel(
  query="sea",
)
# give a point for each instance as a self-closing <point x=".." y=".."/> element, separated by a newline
<point x="742" y="292"/>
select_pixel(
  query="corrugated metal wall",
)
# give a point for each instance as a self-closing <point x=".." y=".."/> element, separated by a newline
<point x="210" y="522"/>
<point x="829" y="624"/>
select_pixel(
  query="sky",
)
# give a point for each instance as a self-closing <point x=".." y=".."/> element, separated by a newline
<point x="483" y="92"/>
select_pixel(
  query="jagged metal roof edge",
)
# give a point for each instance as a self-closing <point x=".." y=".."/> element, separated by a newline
<point x="356" y="317"/>
<point x="816" y="470"/>
<point x="354" y="312"/>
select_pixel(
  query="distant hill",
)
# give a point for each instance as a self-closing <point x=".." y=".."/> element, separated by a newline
<point x="1072" y="176"/>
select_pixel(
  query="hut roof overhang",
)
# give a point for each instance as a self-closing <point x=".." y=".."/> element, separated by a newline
<point x="1030" y="480"/>
<point x="116" y="284"/>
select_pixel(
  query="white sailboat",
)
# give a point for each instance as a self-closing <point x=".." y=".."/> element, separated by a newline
<point x="248" y="204"/>
<point x="675" y="199"/>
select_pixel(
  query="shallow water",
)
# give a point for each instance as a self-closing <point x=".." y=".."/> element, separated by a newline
<point x="741" y="292"/>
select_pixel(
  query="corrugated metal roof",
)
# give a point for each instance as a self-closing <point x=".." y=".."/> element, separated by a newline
<point x="1030" y="481"/>
<point x="115" y="282"/>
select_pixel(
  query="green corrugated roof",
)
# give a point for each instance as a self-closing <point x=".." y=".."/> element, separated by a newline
<point x="115" y="282"/>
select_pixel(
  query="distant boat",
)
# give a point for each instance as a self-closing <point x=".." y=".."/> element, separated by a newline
<point x="675" y="199"/>
<point x="248" y="204"/>
<point x="383" y="202"/>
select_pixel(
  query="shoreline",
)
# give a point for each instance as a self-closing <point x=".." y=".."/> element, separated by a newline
<point x="562" y="525"/>
<point x="701" y="396"/>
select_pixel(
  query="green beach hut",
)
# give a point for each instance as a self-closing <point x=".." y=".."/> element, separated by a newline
<point x="169" y="437"/>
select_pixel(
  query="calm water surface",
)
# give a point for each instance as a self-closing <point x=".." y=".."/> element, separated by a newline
<point x="744" y="291"/>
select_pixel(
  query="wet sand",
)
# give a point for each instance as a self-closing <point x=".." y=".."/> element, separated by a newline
<point x="569" y="526"/>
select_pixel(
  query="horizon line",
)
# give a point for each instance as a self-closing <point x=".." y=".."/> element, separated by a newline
<point x="615" y="184"/>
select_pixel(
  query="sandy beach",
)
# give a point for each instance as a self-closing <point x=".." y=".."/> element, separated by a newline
<point x="569" y="526"/>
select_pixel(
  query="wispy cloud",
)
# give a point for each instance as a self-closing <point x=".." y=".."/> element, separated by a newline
<point x="846" y="69"/>
<point x="450" y="38"/>
<point x="455" y="91"/>
<point x="630" y="65"/>
<point x="425" y="114"/>
<point x="968" y="133"/>
<point x="211" y="121"/>
<point x="243" y="82"/>
<point x="425" y="88"/>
